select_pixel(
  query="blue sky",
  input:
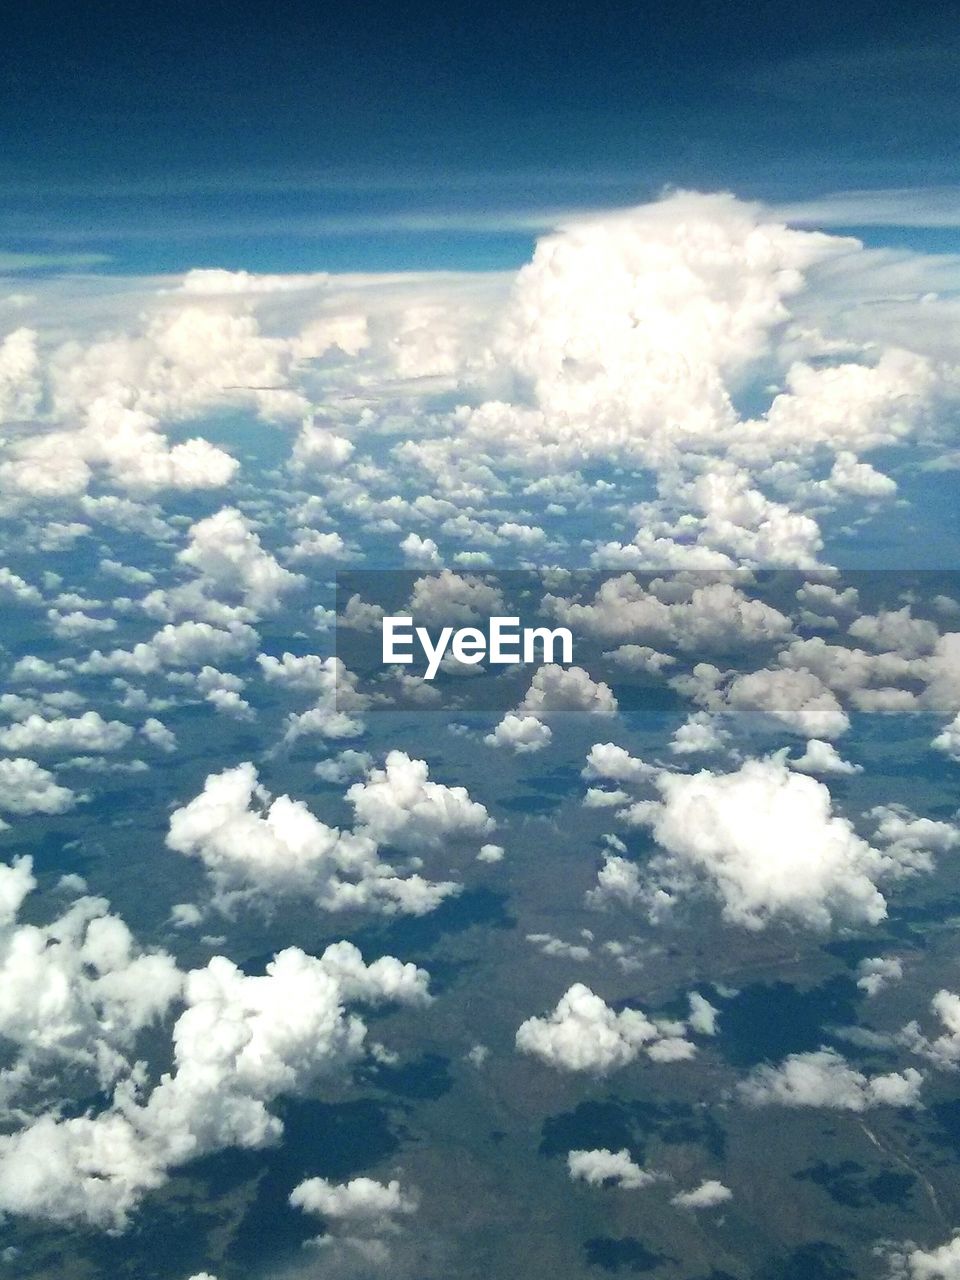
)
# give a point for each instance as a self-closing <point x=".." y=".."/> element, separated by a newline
<point x="386" y="136"/>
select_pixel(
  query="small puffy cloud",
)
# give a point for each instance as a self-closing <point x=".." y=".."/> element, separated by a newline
<point x="823" y="757"/>
<point x="876" y="972"/>
<point x="585" y="1034"/>
<point x="360" y="1217"/>
<point x="86" y="733"/>
<point x="602" y="1167"/>
<point x="228" y="555"/>
<point x="615" y="764"/>
<point x="948" y="739"/>
<point x="318" y="450"/>
<point x="944" y="1050"/>
<point x="689" y="614"/>
<point x="311" y="544"/>
<point x="795" y="700"/>
<point x="399" y="805"/>
<point x="707" y="1196"/>
<point x="699" y="733"/>
<point x="360" y="1199"/>
<point x="452" y="599"/>
<point x="522" y="734"/>
<point x="123" y="444"/>
<point x="16" y="589"/>
<point x="556" y="690"/>
<point x="27" y="788"/>
<point x="158" y="735"/>
<point x="183" y="644"/>
<point x="420" y="553"/>
<point x="765" y="842"/>
<point x="941" y="1263"/>
<point x="826" y="1079"/>
<point x="258" y="848"/>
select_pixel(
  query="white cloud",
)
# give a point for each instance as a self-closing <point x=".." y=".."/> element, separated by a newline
<point x="877" y="972"/>
<point x="707" y="1196"/>
<point x="361" y="1199"/>
<point x="823" y="757"/>
<point x="241" y="1042"/>
<point x="121" y="443"/>
<point x="941" y="1263"/>
<point x="258" y="848"/>
<point x="765" y="842"/>
<point x="825" y="1079"/>
<point x="228" y="555"/>
<point x="556" y="690"/>
<point x="796" y="700"/>
<point x="399" y="805"/>
<point x="27" y="788"/>
<point x="585" y="1034"/>
<point x="602" y="1166"/>
<point x="520" y="733"/>
<point x="88" y="732"/>
<point x="681" y="611"/>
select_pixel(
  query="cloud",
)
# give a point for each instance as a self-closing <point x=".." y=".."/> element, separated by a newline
<point x="707" y="1196"/>
<point x="796" y="700"/>
<point x="400" y="806"/>
<point x="684" y="612"/>
<point x="119" y="443"/>
<point x="765" y="842"/>
<point x="825" y="1079"/>
<point x="941" y="1263"/>
<point x="556" y="690"/>
<point x="613" y="1168"/>
<point x="77" y="991"/>
<point x="944" y="1051"/>
<point x="27" y="788"/>
<point x="241" y="1042"/>
<point x="585" y="1034"/>
<point x="823" y="757"/>
<point x="228" y="555"/>
<point x="520" y="733"/>
<point x="629" y="327"/>
<point x="877" y="972"/>
<point x="259" y="848"/>
<point x="86" y="733"/>
<point x="184" y="644"/>
<point x="360" y="1199"/>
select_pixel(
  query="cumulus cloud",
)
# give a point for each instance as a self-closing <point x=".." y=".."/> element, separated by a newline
<point x="122" y="444"/>
<point x="227" y="553"/>
<point x="826" y="1079"/>
<point x="241" y="1042"/>
<point x="77" y="991"/>
<point x="796" y="700"/>
<point x="707" y="1196"/>
<point x="874" y="973"/>
<point x="940" y="1263"/>
<point x="585" y="1034"/>
<point x="823" y="757"/>
<point x="766" y="843"/>
<point x="400" y="805"/>
<point x="85" y="733"/>
<point x="257" y="848"/>
<point x="602" y="1167"/>
<point x="25" y="787"/>
<point x="684" y="612"/>
<point x="944" y="1050"/>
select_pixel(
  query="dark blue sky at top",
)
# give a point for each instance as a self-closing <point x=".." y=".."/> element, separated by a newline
<point x="292" y="134"/>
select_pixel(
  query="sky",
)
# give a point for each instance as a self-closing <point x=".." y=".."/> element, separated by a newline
<point x="637" y="323"/>
<point x="390" y="136"/>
